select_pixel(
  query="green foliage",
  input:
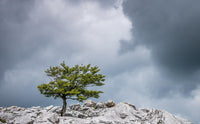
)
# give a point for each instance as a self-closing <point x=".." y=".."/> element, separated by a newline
<point x="72" y="83"/>
<point x="2" y="120"/>
<point x="37" y="114"/>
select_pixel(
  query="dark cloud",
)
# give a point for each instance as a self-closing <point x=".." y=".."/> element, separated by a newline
<point x="15" y="11"/>
<point x="36" y="35"/>
<point x="19" y="37"/>
<point x="103" y="3"/>
<point x="13" y="47"/>
<point x="107" y="3"/>
<point x="170" y="29"/>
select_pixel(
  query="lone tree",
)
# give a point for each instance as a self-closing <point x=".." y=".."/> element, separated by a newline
<point x="72" y="83"/>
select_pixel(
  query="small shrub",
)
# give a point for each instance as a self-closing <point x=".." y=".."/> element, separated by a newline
<point x="38" y="114"/>
<point x="2" y="120"/>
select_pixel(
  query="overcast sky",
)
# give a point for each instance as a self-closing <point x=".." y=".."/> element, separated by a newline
<point x="148" y="50"/>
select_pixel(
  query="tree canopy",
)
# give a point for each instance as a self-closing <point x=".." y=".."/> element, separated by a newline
<point x="72" y="82"/>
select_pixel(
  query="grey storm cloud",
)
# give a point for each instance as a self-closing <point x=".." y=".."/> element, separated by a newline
<point x="37" y="34"/>
<point x="13" y="48"/>
<point x="170" y="29"/>
<point x="103" y="3"/>
<point x="16" y="26"/>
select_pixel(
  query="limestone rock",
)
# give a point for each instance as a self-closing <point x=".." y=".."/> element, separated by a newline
<point x="109" y="103"/>
<point x="133" y="106"/>
<point x="69" y="114"/>
<point x="54" y="119"/>
<point x="89" y="113"/>
<point x="100" y="105"/>
<point x="83" y="108"/>
<point x="123" y="115"/>
<point x="75" y="107"/>
<point x="89" y="103"/>
<point x="56" y="109"/>
<point x="48" y="107"/>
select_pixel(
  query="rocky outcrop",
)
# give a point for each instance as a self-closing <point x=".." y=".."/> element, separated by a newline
<point x="109" y="103"/>
<point x="89" y="113"/>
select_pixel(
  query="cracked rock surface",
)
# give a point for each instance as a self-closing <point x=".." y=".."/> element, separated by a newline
<point x="89" y="113"/>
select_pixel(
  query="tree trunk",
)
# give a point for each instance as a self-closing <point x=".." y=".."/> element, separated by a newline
<point x="63" y="111"/>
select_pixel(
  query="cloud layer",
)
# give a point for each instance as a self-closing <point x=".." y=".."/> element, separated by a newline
<point x="50" y="32"/>
<point x="148" y="50"/>
<point x="170" y="29"/>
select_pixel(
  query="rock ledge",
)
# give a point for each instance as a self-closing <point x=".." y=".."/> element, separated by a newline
<point x="89" y="113"/>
